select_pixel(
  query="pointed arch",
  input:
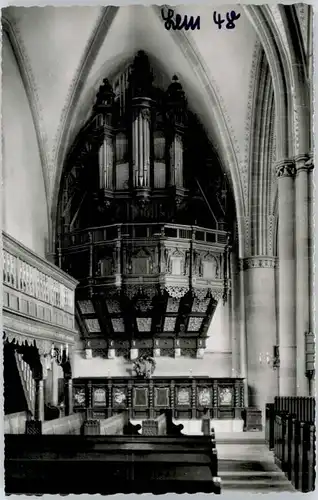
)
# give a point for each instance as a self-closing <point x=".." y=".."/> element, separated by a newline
<point x="61" y="143"/>
<point x="30" y="87"/>
<point x="260" y="159"/>
<point x="216" y="124"/>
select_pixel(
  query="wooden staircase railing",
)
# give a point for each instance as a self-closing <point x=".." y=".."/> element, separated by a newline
<point x="27" y="381"/>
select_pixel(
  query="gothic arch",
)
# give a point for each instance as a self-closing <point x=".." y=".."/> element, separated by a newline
<point x="289" y="79"/>
<point x="281" y="84"/>
<point x="62" y="139"/>
<point x="29" y="84"/>
<point x="261" y="159"/>
<point x="226" y="150"/>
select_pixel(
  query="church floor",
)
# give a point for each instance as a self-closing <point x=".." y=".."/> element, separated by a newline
<point x="246" y="464"/>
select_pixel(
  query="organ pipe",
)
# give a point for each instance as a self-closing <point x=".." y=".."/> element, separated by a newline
<point x="141" y="147"/>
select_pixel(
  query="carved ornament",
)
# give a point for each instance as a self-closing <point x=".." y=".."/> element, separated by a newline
<point x="304" y="163"/>
<point x="177" y="291"/>
<point x="285" y="169"/>
<point x="258" y="262"/>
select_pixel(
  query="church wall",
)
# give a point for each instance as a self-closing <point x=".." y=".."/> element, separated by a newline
<point x="217" y="360"/>
<point x="24" y="208"/>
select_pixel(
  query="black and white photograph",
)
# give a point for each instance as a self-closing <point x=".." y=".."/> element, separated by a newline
<point x="157" y="216"/>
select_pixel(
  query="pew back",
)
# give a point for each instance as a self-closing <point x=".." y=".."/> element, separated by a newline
<point x="71" y="424"/>
<point x="155" y="426"/>
<point x="110" y="464"/>
<point x="14" y="423"/>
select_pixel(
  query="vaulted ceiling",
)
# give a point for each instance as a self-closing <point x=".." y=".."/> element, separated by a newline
<point x="64" y="53"/>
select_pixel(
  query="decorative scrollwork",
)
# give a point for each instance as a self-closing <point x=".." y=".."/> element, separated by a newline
<point x="217" y="293"/>
<point x="144" y="366"/>
<point x="177" y="292"/>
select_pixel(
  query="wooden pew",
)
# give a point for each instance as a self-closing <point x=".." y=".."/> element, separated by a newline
<point x="112" y="426"/>
<point x="14" y="423"/>
<point x="162" y="425"/>
<point x="155" y="426"/>
<point x="293" y="439"/>
<point x="109" y="464"/>
<point x="71" y="424"/>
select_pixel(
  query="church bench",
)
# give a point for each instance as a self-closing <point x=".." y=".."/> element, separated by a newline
<point x="293" y="439"/>
<point x="117" y="424"/>
<point x="162" y="425"/>
<point x="155" y="426"/>
<point x="110" y="464"/>
<point x="14" y="423"/>
<point x="71" y="424"/>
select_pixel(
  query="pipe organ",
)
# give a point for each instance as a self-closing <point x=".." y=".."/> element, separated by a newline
<point x="143" y="221"/>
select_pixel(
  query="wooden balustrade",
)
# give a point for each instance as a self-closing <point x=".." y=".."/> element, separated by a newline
<point x="293" y="439"/>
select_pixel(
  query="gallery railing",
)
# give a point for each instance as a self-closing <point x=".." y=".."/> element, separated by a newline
<point x="290" y="433"/>
<point x="142" y="230"/>
<point x="187" y="397"/>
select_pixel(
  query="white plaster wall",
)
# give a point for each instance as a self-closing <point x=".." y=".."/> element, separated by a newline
<point x="24" y="208"/>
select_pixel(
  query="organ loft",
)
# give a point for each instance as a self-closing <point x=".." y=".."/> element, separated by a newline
<point x="145" y="222"/>
<point x="158" y="331"/>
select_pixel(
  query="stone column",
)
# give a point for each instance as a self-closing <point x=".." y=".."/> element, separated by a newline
<point x="260" y="321"/>
<point x="287" y="279"/>
<point x="243" y="359"/>
<point x="303" y="168"/>
<point x="234" y="326"/>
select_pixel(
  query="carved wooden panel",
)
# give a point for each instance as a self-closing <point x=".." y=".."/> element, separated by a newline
<point x="79" y="396"/>
<point x="144" y="324"/>
<point x="99" y="397"/>
<point x="119" y="397"/>
<point x="118" y="324"/>
<point x="225" y="396"/>
<point x="194" y="324"/>
<point x="173" y="305"/>
<point x="92" y="325"/>
<point x="140" y="396"/>
<point x="169" y="324"/>
<point x="183" y="396"/>
<point x="86" y="306"/>
<point x="204" y="396"/>
<point x="162" y="396"/>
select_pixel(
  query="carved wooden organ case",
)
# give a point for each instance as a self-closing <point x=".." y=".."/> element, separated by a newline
<point x="143" y="221"/>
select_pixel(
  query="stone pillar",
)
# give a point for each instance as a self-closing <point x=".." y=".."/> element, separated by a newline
<point x="303" y="271"/>
<point x="234" y="323"/>
<point x="242" y="342"/>
<point x="260" y="311"/>
<point x="287" y="279"/>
